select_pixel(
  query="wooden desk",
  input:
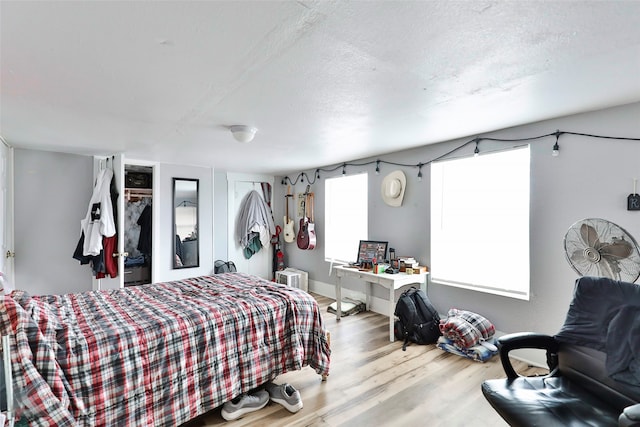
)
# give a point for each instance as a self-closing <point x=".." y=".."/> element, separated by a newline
<point x="388" y="281"/>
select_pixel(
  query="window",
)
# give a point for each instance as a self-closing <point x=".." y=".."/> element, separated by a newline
<point x="346" y="216"/>
<point x="480" y="223"/>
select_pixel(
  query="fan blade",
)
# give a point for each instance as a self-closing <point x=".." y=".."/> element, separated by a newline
<point x="589" y="235"/>
<point x="618" y="249"/>
<point x="578" y="256"/>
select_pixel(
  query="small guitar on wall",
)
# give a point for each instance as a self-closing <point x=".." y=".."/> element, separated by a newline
<point x="289" y="233"/>
<point x="303" y="231"/>
<point x="311" y="225"/>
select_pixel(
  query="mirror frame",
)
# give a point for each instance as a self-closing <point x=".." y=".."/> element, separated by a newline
<point x="197" y="221"/>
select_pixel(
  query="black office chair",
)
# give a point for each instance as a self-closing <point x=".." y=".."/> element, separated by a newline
<point x="594" y="364"/>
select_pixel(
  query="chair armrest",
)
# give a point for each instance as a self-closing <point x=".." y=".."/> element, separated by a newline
<point x="630" y="417"/>
<point x="520" y="340"/>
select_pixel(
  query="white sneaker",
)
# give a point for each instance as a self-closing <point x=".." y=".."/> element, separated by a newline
<point x="285" y="395"/>
<point x="244" y="404"/>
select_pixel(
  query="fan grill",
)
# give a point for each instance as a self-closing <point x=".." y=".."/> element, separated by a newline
<point x="597" y="247"/>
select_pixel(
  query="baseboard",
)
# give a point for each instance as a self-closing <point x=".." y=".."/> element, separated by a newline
<point x="531" y="357"/>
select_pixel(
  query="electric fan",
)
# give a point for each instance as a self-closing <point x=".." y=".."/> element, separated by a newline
<point x="597" y="247"/>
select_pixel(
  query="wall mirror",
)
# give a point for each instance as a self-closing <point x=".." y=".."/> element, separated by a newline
<point x="185" y="223"/>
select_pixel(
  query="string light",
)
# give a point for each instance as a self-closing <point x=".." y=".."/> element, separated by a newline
<point x="556" y="148"/>
<point x="476" y="151"/>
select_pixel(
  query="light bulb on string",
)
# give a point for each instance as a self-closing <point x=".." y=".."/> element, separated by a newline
<point x="556" y="148"/>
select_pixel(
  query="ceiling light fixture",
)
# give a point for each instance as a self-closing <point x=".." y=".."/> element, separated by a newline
<point x="243" y="133"/>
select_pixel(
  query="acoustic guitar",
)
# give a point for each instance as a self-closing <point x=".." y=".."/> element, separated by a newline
<point x="303" y="231"/>
<point x="310" y="224"/>
<point x="289" y="233"/>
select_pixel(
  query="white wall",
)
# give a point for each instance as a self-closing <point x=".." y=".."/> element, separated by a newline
<point x="220" y="202"/>
<point x="52" y="191"/>
<point x="591" y="178"/>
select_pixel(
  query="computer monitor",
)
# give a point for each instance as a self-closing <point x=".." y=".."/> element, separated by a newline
<point x="368" y="250"/>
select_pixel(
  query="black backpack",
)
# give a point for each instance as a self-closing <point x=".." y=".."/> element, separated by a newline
<point x="418" y="320"/>
<point x="224" y="267"/>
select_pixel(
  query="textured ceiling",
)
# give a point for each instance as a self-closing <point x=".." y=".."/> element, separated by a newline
<point x="324" y="82"/>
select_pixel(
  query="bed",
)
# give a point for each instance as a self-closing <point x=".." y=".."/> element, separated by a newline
<point x="157" y="354"/>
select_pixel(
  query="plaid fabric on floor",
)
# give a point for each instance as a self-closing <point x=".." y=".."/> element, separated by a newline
<point x="156" y="354"/>
<point x="466" y="328"/>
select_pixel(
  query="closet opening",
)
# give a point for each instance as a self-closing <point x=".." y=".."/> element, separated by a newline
<point x="138" y="208"/>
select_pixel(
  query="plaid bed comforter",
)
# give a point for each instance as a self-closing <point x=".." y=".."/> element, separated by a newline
<point x="156" y="355"/>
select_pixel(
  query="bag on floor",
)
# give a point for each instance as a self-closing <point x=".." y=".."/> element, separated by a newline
<point x="417" y="319"/>
<point x="224" y="267"/>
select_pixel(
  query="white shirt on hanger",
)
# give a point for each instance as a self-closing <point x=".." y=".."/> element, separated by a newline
<point x="99" y="220"/>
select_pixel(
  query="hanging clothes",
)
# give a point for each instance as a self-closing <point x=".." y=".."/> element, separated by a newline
<point x="110" y="244"/>
<point x="110" y="263"/>
<point x="99" y="221"/>
<point x="253" y="246"/>
<point x="144" y="241"/>
<point x="254" y="223"/>
<point x="98" y="239"/>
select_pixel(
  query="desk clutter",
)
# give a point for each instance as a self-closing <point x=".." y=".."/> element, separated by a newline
<point x="407" y="265"/>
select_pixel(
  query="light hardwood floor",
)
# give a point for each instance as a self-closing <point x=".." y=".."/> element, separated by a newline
<point x="372" y="382"/>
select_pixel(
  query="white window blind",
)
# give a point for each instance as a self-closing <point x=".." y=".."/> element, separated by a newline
<point x="480" y="222"/>
<point x="346" y="216"/>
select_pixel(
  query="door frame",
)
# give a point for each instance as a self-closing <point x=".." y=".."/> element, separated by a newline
<point x="232" y="179"/>
<point x="155" y="212"/>
<point x="120" y="163"/>
<point x="7" y="263"/>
